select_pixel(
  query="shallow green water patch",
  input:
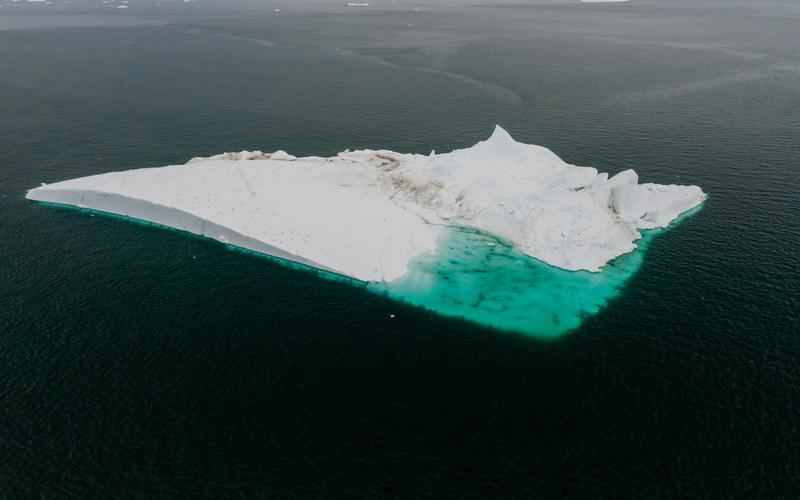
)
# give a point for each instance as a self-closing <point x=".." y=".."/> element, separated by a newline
<point x="476" y="277"/>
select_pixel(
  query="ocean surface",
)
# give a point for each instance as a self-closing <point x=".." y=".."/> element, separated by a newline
<point x="141" y="363"/>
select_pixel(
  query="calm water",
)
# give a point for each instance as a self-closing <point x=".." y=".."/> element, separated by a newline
<point x="139" y="363"/>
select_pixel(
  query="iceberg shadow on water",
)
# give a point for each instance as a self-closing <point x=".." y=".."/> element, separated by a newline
<point x="260" y="251"/>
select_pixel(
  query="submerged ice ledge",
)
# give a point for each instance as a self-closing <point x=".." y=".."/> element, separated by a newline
<point x="368" y="214"/>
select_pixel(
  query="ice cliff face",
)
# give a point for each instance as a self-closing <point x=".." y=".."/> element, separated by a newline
<point x="367" y="214"/>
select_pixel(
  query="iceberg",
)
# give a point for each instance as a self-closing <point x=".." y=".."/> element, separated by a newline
<point x="407" y="224"/>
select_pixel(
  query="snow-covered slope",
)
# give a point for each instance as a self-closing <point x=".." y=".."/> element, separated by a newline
<point x="367" y="214"/>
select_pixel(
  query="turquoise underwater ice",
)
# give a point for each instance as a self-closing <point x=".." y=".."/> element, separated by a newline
<point x="478" y="278"/>
<point x="481" y="279"/>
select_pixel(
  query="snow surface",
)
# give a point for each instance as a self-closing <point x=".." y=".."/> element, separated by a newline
<point x="368" y="214"/>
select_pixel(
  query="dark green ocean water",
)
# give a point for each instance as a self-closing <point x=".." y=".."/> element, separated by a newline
<point x="140" y="363"/>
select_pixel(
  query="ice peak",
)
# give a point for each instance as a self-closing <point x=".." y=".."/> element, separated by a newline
<point x="498" y="145"/>
<point x="500" y="136"/>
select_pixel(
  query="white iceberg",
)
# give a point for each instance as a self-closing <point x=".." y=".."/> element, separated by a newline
<point x="368" y="214"/>
<point x="452" y="232"/>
